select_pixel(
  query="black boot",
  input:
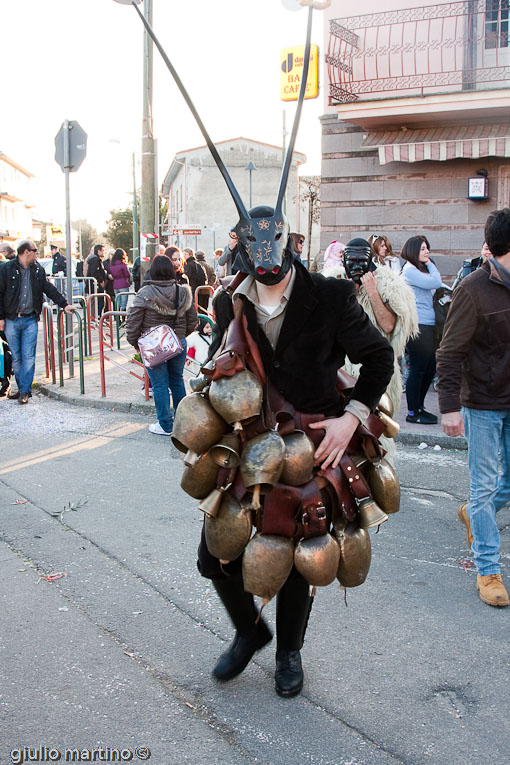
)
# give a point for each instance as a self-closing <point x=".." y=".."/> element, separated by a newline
<point x="250" y="636"/>
<point x="293" y="606"/>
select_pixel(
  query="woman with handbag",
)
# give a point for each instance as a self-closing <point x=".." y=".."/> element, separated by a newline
<point x="422" y="275"/>
<point x="161" y="301"/>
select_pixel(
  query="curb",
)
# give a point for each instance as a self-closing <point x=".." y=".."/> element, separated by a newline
<point x="431" y="439"/>
<point x="110" y="404"/>
<point x="148" y="408"/>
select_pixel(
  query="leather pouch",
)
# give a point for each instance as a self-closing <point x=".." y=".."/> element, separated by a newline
<point x="280" y="514"/>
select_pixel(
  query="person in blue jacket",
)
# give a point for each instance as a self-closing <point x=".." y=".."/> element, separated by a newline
<point x="423" y="277"/>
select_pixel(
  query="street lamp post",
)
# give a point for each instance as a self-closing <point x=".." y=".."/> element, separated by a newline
<point x="250" y="167"/>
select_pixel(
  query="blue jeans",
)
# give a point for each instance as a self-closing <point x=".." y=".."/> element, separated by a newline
<point x="164" y="376"/>
<point x="488" y="436"/>
<point x="21" y="334"/>
<point x="122" y="303"/>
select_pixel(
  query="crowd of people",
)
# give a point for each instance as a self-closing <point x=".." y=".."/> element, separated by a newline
<point x="395" y="292"/>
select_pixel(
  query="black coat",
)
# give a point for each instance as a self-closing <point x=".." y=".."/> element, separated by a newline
<point x="195" y="273"/>
<point x="10" y="289"/>
<point x="59" y="263"/>
<point x="323" y="324"/>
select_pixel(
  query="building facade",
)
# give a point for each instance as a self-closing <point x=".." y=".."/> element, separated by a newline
<point x="198" y="198"/>
<point x="416" y="104"/>
<point x="15" y="201"/>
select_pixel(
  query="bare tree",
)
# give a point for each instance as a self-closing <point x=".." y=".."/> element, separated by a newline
<point x="310" y="201"/>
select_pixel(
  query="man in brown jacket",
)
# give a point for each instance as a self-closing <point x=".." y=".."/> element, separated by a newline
<point x="473" y="366"/>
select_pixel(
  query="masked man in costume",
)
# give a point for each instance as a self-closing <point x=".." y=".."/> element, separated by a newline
<point x="300" y="327"/>
<point x="304" y="326"/>
<point x="390" y="305"/>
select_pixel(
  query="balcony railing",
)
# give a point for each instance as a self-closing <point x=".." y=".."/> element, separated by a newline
<point x="443" y="48"/>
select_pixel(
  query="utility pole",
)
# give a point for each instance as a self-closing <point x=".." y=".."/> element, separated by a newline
<point x="136" y="231"/>
<point x="147" y="200"/>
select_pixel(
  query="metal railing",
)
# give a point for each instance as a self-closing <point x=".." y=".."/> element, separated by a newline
<point x="66" y="345"/>
<point x="205" y="289"/>
<point x="92" y="312"/>
<point x="447" y="48"/>
<point x="105" y="347"/>
<point x="49" y="342"/>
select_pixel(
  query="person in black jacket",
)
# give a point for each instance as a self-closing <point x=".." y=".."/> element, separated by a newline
<point x="59" y="261"/>
<point x="97" y="271"/>
<point x="22" y="285"/>
<point x="196" y="274"/>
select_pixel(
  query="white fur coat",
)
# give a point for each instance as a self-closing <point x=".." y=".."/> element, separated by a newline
<point x="394" y="291"/>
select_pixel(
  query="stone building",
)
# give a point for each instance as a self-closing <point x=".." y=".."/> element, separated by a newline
<point x="198" y="196"/>
<point x="416" y="105"/>
<point x="15" y="201"/>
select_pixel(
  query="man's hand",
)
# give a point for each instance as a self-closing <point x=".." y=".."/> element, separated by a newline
<point x="233" y="240"/>
<point x="369" y="282"/>
<point x="339" y="431"/>
<point x="69" y="309"/>
<point x="2" y="325"/>
<point x="453" y="424"/>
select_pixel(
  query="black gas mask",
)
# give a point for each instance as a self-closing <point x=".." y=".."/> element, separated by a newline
<point x="357" y="259"/>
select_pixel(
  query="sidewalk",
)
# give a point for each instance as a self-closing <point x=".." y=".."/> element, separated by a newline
<point x="124" y="394"/>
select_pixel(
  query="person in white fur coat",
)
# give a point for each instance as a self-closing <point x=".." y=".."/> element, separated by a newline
<point x="389" y="303"/>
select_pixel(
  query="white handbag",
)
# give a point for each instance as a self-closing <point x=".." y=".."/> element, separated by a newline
<point x="158" y="344"/>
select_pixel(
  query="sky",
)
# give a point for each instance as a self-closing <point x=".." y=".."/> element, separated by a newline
<point x="83" y="60"/>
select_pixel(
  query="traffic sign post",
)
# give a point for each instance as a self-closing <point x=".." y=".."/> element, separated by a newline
<point x="70" y="151"/>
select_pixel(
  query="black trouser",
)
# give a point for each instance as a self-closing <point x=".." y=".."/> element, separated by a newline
<point x="293" y="602"/>
<point x="422" y="366"/>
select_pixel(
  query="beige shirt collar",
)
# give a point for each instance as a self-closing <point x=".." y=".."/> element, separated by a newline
<point x="270" y="324"/>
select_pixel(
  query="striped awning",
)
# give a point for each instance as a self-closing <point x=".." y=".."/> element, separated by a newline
<point x="440" y="143"/>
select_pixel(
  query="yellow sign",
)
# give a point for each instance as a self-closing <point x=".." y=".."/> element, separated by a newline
<point x="56" y="232"/>
<point x="291" y="70"/>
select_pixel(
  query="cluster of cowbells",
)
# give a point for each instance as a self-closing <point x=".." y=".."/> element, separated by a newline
<point x="207" y="429"/>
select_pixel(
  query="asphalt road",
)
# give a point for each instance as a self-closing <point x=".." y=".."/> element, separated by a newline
<point x="117" y="652"/>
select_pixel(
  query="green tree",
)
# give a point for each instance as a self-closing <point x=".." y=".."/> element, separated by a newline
<point x="120" y="229"/>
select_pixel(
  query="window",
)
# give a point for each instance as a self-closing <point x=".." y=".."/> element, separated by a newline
<point x="496" y="23"/>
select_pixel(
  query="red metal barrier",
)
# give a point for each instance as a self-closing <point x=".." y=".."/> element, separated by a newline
<point x="49" y="342"/>
<point x="204" y="289"/>
<point x="110" y="349"/>
<point x="91" y="318"/>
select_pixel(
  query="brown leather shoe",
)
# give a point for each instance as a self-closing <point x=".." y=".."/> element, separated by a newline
<point x="23" y="398"/>
<point x="464" y="518"/>
<point x="492" y="590"/>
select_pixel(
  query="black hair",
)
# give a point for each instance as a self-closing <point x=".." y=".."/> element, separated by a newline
<point x="118" y="255"/>
<point x="98" y="247"/>
<point x="162" y="269"/>
<point x="497" y="232"/>
<point x="411" y="252"/>
<point x="202" y="323"/>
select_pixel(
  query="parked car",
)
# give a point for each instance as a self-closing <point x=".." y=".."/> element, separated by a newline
<point x="60" y="281"/>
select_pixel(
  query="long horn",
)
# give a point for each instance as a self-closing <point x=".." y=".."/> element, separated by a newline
<point x="288" y="159"/>
<point x="241" y="209"/>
